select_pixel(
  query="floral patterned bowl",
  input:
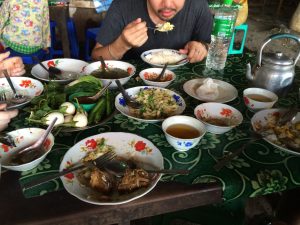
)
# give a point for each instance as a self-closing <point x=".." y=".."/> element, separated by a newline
<point x="65" y="64"/>
<point x="184" y="142"/>
<point x="124" y="109"/>
<point x="112" y="64"/>
<point x="217" y="117"/>
<point x="25" y="86"/>
<point x="23" y="138"/>
<point x="126" y="145"/>
<point x="147" y="74"/>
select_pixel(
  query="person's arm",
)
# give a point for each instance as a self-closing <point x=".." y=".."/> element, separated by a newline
<point x="4" y="12"/>
<point x="13" y="65"/>
<point x="133" y="35"/>
<point x="6" y="116"/>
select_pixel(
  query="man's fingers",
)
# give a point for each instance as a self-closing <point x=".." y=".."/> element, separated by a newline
<point x="7" y="115"/>
<point x="2" y="106"/>
<point x="4" y="56"/>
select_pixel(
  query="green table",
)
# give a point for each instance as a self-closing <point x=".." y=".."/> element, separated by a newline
<point x="260" y="169"/>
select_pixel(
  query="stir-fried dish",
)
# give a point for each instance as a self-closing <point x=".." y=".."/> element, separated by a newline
<point x="286" y="135"/>
<point x="156" y="104"/>
<point x="165" y="27"/>
<point x="105" y="183"/>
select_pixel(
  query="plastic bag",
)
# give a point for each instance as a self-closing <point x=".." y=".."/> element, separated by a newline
<point x="102" y="5"/>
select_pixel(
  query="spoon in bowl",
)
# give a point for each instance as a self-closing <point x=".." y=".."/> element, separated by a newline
<point x="33" y="151"/>
<point x="162" y="73"/>
<point x="93" y="99"/>
<point x="118" y="168"/>
<point x="17" y="98"/>
<point x="129" y="101"/>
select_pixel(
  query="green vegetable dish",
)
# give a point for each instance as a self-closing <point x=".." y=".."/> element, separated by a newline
<point x="56" y="102"/>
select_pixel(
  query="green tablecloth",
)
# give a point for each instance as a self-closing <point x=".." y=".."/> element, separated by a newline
<point x="261" y="169"/>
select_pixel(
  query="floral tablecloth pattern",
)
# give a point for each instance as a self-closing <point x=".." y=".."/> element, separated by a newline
<point x="260" y="169"/>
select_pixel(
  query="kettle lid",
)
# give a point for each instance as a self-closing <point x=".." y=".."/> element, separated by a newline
<point x="277" y="58"/>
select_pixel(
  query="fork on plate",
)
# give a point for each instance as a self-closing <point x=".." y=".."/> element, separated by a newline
<point x="98" y="163"/>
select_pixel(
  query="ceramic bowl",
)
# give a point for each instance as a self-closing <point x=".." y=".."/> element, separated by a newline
<point x="151" y="73"/>
<point x="112" y="64"/>
<point x="23" y="138"/>
<point x="159" y="57"/>
<point x="258" y="98"/>
<point x="217" y="117"/>
<point x="86" y="107"/>
<point x="64" y="64"/>
<point x="181" y="125"/>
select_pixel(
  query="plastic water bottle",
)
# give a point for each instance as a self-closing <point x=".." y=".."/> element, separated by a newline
<point x="224" y="21"/>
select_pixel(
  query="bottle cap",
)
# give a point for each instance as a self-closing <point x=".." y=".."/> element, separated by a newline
<point x="228" y="2"/>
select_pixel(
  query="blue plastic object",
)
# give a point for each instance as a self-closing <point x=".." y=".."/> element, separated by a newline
<point x="27" y="58"/>
<point x="231" y="50"/>
<point x="72" y="35"/>
<point x="90" y="34"/>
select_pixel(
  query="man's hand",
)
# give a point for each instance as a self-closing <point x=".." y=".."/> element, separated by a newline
<point x="6" y="116"/>
<point x="14" y="65"/>
<point x="135" y="34"/>
<point x="195" y="51"/>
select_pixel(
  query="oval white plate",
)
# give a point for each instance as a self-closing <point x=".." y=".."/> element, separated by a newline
<point x="148" y="57"/>
<point x="227" y="92"/>
<point x="122" y="108"/>
<point x="71" y="65"/>
<point x="128" y="146"/>
<point x="261" y="119"/>
<point x="24" y="85"/>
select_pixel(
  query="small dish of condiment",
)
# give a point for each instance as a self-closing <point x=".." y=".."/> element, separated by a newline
<point x="183" y="132"/>
<point x="149" y="75"/>
<point x="257" y="99"/>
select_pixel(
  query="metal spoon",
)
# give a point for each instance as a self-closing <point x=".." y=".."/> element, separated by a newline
<point x="93" y="99"/>
<point x="17" y="98"/>
<point x="103" y="65"/>
<point x="118" y="168"/>
<point x="33" y="151"/>
<point x="129" y="101"/>
<point x="162" y="73"/>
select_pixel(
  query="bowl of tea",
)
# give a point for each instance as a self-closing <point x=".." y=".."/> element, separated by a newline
<point x="114" y="69"/>
<point x="218" y="118"/>
<point x="183" y="132"/>
<point x="258" y="98"/>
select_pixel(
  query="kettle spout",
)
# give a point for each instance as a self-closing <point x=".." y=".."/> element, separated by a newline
<point x="249" y="74"/>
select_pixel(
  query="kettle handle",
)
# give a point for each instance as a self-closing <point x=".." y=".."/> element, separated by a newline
<point x="277" y="36"/>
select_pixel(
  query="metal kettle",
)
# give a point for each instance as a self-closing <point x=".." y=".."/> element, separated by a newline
<point x="273" y="71"/>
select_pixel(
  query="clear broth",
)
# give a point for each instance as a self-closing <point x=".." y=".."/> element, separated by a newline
<point x="259" y="98"/>
<point x="183" y="131"/>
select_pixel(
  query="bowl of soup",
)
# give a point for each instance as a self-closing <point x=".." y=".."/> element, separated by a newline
<point x="183" y="132"/>
<point x="257" y="99"/>
<point x="218" y="118"/>
<point x="122" y="71"/>
<point x="149" y="75"/>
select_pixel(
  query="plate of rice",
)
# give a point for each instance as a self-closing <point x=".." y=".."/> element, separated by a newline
<point x="159" y="57"/>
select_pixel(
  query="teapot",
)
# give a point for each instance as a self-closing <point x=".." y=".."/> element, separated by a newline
<point x="273" y="71"/>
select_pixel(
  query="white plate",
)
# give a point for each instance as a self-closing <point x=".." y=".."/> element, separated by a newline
<point x="25" y="86"/>
<point x="151" y="58"/>
<point x="260" y="118"/>
<point x="70" y="65"/>
<point x="128" y="146"/>
<point x="122" y="108"/>
<point x="227" y="92"/>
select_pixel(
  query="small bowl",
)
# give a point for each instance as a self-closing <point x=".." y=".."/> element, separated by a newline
<point x="151" y="73"/>
<point x="182" y="124"/>
<point x="86" y="107"/>
<point x="23" y="138"/>
<point x="112" y="64"/>
<point x="257" y="99"/>
<point x="217" y="117"/>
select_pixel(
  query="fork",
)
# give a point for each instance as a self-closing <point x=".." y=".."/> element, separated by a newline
<point x="98" y="163"/>
<point x="3" y="97"/>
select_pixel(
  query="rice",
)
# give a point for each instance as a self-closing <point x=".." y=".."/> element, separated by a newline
<point x="163" y="57"/>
